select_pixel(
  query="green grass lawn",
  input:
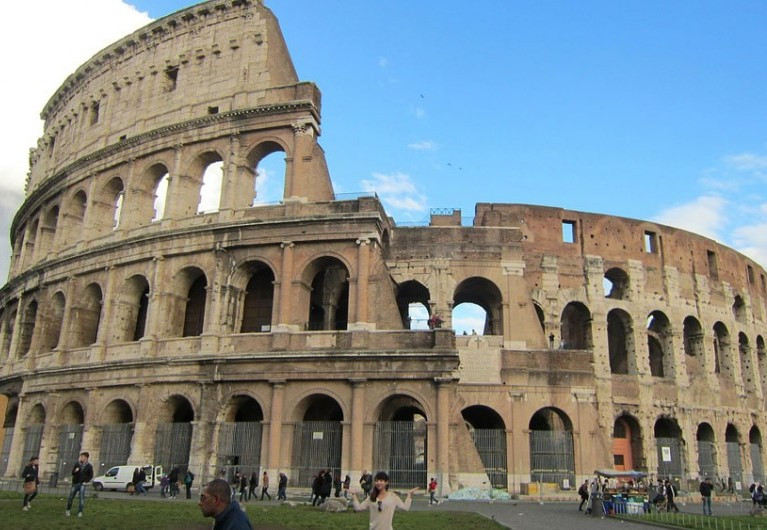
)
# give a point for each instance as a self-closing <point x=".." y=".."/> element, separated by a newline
<point x="48" y="512"/>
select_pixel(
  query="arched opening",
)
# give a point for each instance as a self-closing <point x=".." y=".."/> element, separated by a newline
<point x="706" y="439"/>
<point x="746" y="372"/>
<point x="400" y="442"/>
<point x="161" y="180"/>
<point x="116" y="435"/>
<point x="131" y="310"/>
<point x="488" y="432"/>
<point x="482" y="293"/>
<point x="739" y="309"/>
<point x="107" y="207"/>
<point x="239" y="439"/>
<point x="668" y="441"/>
<point x="48" y="231"/>
<point x="761" y="357"/>
<point x="616" y="284"/>
<point x="552" y="457"/>
<point x="722" y="358"/>
<point x="269" y="170"/>
<point x="620" y="341"/>
<point x="575" y="327"/>
<point x="627" y="443"/>
<point x="54" y="320"/>
<point x="541" y="316"/>
<point x="659" y="344"/>
<point x="74" y="216"/>
<point x="33" y="434"/>
<point x="10" y="325"/>
<point x="259" y="300"/>
<point x="174" y="434"/>
<point x="70" y="437"/>
<point x="755" y="450"/>
<point x="734" y="461"/>
<point x="329" y="298"/>
<point x="413" y="304"/>
<point x="9" y="426"/>
<point x="212" y="179"/>
<point x="693" y="345"/>
<point x="27" y="328"/>
<point x="317" y="437"/>
<point x="87" y="317"/>
<point x="194" y="314"/>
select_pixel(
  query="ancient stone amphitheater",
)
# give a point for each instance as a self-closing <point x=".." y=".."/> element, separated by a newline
<point x="147" y="327"/>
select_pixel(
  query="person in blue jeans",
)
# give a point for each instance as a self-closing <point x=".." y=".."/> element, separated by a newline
<point x="82" y="473"/>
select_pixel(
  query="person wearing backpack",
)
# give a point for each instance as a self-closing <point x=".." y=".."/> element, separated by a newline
<point x="188" y="480"/>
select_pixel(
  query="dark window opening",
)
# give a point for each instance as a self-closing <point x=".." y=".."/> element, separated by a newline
<point x="651" y="242"/>
<point x="212" y="110"/>
<point x="171" y="78"/>
<point x="750" y="272"/>
<point x="713" y="271"/>
<point x="94" y="113"/>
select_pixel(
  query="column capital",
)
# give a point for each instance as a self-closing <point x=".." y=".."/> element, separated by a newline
<point x="287" y="244"/>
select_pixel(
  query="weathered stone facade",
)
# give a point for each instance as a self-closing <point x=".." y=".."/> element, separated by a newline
<point x="277" y="336"/>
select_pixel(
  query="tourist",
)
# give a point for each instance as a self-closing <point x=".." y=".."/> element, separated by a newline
<point x="366" y="482"/>
<point x="337" y="483"/>
<point x="173" y="480"/>
<point x="82" y="473"/>
<point x="670" y="496"/>
<point x="282" y="487"/>
<point x="381" y="503"/>
<point x="243" y="488"/>
<point x="706" y="488"/>
<point x="216" y="501"/>
<point x="188" y="480"/>
<point x="31" y="481"/>
<point x="252" y="485"/>
<point x="583" y="491"/>
<point x="347" y="485"/>
<point x="265" y="486"/>
<point x="432" y="491"/>
<point x="317" y="482"/>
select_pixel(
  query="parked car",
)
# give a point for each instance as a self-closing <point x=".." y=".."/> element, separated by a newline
<point x="119" y="477"/>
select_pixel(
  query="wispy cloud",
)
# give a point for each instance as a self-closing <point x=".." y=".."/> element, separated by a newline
<point x="423" y="145"/>
<point x="419" y="113"/>
<point x="705" y="215"/>
<point x="397" y="191"/>
<point x="383" y="62"/>
<point x="746" y="161"/>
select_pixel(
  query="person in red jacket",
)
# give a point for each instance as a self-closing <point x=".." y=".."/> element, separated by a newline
<point x="432" y="492"/>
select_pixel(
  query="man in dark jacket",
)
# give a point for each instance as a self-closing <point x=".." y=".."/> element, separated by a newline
<point x="583" y="491"/>
<point x="31" y="481"/>
<point x="216" y="501"/>
<point x="82" y="473"/>
<point x="706" y="487"/>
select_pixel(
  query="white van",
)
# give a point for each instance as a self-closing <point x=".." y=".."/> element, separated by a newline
<point x="118" y="477"/>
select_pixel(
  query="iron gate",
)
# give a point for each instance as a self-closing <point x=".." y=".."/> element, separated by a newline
<point x="491" y="446"/>
<point x="756" y="463"/>
<point x="734" y="463"/>
<point x="32" y="442"/>
<point x="316" y="445"/>
<point x="171" y="445"/>
<point x="706" y="461"/>
<point x="400" y="448"/>
<point x="669" y="458"/>
<point x="239" y="447"/>
<point x="115" y="445"/>
<point x="70" y="439"/>
<point x="551" y="457"/>
<point x="6" y="451"/>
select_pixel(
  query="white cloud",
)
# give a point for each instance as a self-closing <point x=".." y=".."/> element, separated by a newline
<point x="420" y="113"/>
<point x="44" y="43"/>
<point x="396" y="191"/>
<point x="705" y="215"/>
<point x="746" y="161"/>
<point x="383" y="62"/>
<point x="423" y="145"/>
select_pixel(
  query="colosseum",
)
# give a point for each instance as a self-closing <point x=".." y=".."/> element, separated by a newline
<point x="144" y="326"/>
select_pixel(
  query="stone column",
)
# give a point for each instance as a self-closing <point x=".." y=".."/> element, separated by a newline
<point x="358" y="425"/>
<point x="443" y="430"/>
<point x="107" y="311"/>
<point x="17" y="444"/>
<point x="275" y="426"/>
<point x="286" y="279"/>
<point x="363" y="277"/>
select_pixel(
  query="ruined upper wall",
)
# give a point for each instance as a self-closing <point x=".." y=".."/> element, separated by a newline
<point x="619" y="240"/>
<point x="218" y="56"/>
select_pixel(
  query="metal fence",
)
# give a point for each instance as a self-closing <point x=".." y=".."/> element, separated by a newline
<point x="172" y="443"/>
<point x="5" y="453"/>
<point x="32" y="442"/>
<point x="551" y="457"/>
<point x="70" y="439"/>
<point x="669" y="458"/>
<point x="400" y="448"/>
<point x="115" y="446"/>
<point x="491" y="446"/>
<point x="316" y="445"/>
<point x="757" y="466"/>
<point x="239" y="448"/>
<point x="706" y="458"/>
<point x="734" y="464"/>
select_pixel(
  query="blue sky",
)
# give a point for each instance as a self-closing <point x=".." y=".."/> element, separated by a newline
<point x="652" y="110"/>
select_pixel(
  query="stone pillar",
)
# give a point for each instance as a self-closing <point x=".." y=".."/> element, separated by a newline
<point x="108" y="317"/>
<point x="286" y="279"/>
<point x="17" y="444"/>
<point x="275" y="427"/>
<point x="363" y="277"/>
<point x="443" y="431"/>
<point x="358" y="426"/>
